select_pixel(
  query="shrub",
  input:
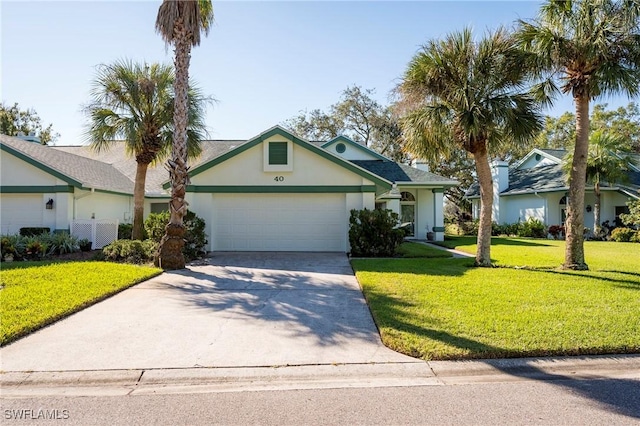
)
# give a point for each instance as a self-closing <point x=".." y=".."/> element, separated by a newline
<point x="130" y="251"/>
<point x="195" y="238"/>
<point x="84" y="244"/>
<point x="34" y="231"/>
<point x="453" y="229"/>
<point x="374" y="233"/>
<point x="63" y="242"/>
<point x="623" y="235"/>
<point x="633" y="217"/>
<point x="556" y="231"/>
<point x="532" y="228"/>
<point x="124" y="231"/>
<point x="35" y="248"/>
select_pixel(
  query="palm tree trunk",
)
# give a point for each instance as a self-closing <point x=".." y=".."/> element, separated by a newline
<point x="170" y="254"/>
<point x="596" y="209"/>
<point x="138" y="202"/>
<point x="574" y="250"/>
<point x="483" y="253"/>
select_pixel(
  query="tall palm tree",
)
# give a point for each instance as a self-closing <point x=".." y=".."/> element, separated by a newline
<point x="462" y="96"/>
<point x="608" y="160"/>
<point x="593" y="48"/>
<point x="135" y="102"/>
<point x="180" y="23"/>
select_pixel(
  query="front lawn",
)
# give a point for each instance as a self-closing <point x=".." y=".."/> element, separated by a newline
<point x="447" y="309"/>
<point x="33" y="295"/>
<point x="411" y="249"/>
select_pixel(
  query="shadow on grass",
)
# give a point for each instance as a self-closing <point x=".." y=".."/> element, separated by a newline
<point x="453" y="242"/>
<point x="625" y="283"/>
<point x="621" y="396"/>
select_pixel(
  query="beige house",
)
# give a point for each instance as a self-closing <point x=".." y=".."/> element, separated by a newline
<point x="274" y="192"/>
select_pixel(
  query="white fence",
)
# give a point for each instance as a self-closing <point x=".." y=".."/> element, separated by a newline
<point x="100" y="232"/>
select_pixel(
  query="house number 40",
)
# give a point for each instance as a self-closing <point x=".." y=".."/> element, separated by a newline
<point x="279" y="178"/>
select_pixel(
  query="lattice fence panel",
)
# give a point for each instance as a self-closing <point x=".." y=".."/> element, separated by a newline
<point x="82" y="229"/>
<point x="106" y="232"/>
<point x="100" y="232"/>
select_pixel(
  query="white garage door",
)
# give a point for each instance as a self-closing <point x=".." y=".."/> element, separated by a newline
<point x="279" y="222"/>
<point x="20" y="211"/>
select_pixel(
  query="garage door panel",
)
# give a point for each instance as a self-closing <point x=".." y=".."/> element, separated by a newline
<point x="279" y="222"/>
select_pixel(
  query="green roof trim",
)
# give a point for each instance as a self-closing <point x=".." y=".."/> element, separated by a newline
<point x="35" y="189"/>
<point x="279" y="189"/>
<point x="277" y="130"/>
<point x="355" y="145"/>
<point x="40" y="166"/>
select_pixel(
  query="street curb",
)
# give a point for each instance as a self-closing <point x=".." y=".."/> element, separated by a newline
<point x="235" y="379"/>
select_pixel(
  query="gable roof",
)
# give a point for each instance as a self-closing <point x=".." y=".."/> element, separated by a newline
<point x="555" y="155"/>
<point x="356" y="145"/>
<point x="401" y="173"/>
<point x="277" y="130"/>
<point x="551" y="178"/>
<point x="77" y="171"/>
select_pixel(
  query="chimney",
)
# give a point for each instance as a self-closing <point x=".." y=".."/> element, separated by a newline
<point x="500" y="174"/>
<point x="422" y="165"/>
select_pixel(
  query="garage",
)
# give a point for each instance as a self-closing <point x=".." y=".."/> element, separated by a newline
<point x="279" y="222"/>
<point x="20" y="211"/>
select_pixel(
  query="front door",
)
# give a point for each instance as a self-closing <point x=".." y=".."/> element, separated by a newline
<point x="408" y="215"/>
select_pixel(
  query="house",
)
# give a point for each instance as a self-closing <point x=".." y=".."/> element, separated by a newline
<point x="274" y="192"/>
<point x="536" y="187"/>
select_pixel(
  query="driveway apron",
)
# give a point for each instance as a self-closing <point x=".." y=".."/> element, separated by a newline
<point x="230" y="310"/>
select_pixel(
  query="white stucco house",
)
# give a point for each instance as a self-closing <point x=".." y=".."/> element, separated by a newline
<point x="274" y="192"/>
<point x="535" y="187"/>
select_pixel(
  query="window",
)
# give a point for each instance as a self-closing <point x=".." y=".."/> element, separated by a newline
<point x="407" y="196"/>
<point x="278" y="153"/>
<point x="159" y="207"/>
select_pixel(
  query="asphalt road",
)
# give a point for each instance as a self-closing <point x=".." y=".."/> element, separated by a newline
<point x="574" y="402"/>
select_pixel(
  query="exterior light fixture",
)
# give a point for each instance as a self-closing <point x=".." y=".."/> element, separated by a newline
<point x="589" y="208"/>
<point x="49" y="204"/>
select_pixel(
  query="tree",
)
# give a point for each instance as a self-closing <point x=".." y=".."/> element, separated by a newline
<point x="13" y="121"/>
<point x="357" y="116"/>
<point x="593" y="48"/>
<point x="180" y="23"/>
<point x="459" y="94"/>
<point x="608" y="160"/>
<point x="135" y="102"/>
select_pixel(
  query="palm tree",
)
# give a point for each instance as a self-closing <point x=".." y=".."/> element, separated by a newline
<point x="608" y="160"/>
<point x="593" y="48"/>
<point x="135" y="102"/>
<point x="464" y="95"/>
<point x="180" y="23"/>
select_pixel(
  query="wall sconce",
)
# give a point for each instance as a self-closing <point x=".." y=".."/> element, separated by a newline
<point x="49" y="204"/>
<point x="589" y="208"/>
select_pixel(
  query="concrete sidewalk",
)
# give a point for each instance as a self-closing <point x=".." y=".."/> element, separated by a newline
<point x="232" y="310"/>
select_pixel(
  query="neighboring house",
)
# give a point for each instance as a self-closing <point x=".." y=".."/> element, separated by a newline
<point x="536" y="187"/>
<point x="274" y="192"/>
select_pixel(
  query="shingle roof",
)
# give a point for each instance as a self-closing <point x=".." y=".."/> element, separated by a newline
<point x="395" y="172"/>
<point x="156" y="173"/>
<point x="114" y="170"/>
<point x="90" y="173"/>
<point x="547" y="178"/>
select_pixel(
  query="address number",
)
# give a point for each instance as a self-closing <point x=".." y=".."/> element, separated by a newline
<point x="279" y="178"/>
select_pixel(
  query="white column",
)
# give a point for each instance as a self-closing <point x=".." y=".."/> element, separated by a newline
<point x="438" y="205"/>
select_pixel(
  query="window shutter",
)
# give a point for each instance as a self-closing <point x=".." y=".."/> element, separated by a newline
<point x="278" y="153"/>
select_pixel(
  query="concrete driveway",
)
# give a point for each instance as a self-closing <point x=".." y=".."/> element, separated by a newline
<point x="232" y="310"/>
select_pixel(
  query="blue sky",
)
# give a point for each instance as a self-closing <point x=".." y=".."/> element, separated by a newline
<point x="263" y="61"/>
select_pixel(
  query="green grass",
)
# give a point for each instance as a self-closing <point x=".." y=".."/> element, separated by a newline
<point x="411" y="249"/>
<point x="34" y="294"/>
<point x="447" y="309"/>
